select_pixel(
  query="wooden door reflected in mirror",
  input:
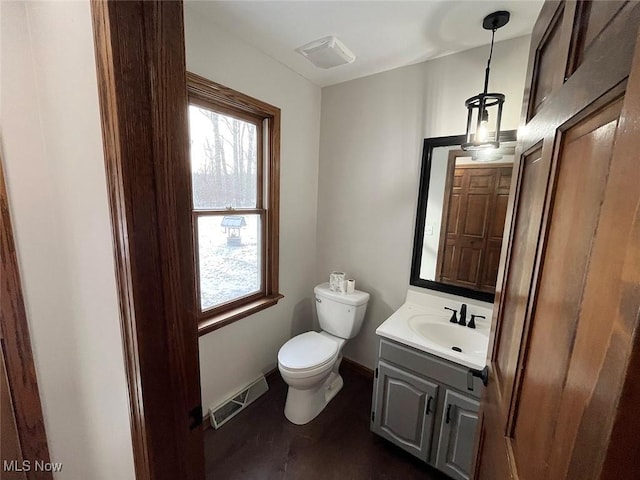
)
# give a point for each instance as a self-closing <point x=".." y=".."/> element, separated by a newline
<point x="462" y="209"/>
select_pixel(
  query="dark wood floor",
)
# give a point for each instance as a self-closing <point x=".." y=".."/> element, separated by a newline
<point x="260" y="443"/>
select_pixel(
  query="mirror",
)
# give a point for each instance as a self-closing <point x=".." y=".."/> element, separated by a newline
<point x="462" y="206"/>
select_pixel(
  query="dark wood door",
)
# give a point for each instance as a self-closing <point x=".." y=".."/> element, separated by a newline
<point x="473" y="217"/>
<point x="22" y="432"/>
<point x="9" y="440"/>
<point x="560" y="399"/>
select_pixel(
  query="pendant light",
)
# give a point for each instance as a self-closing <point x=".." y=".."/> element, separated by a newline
<point x="485" y="109"/>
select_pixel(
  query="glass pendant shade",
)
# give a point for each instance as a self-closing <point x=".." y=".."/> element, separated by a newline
<point x="479" y="125"/>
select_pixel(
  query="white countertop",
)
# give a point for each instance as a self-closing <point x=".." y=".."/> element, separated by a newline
<point x="398" y="328"/>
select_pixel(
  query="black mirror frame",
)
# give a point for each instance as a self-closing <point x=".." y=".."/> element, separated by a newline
<point x="423" y="197"/>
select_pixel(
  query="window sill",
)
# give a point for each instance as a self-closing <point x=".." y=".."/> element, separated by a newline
<point x="218" y="321"/>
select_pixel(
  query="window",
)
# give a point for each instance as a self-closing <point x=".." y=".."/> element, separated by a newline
<point x="235" y="145"/>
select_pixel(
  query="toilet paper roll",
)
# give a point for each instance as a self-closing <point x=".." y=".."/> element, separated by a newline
<point x="351" y="285"/>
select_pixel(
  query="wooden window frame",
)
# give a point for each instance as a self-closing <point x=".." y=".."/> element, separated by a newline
<point x="211" y="95"/>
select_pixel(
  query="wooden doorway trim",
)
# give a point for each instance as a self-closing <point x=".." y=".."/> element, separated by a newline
<point x="141" y="70"/>
<point x="16" y="350"/>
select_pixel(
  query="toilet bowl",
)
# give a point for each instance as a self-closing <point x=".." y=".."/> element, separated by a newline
<point x="309" y="363"/>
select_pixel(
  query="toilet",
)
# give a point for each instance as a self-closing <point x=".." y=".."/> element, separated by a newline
<point x="309" y="362"/>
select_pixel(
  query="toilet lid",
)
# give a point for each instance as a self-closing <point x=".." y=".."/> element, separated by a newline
<point x="307" y="350"/>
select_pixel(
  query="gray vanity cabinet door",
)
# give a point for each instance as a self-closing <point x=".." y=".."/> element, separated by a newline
<point x="401" y="414"/>
<point x="457" y="435"/>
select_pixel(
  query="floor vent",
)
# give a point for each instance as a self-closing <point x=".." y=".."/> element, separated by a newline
<point x="224" y="412"/>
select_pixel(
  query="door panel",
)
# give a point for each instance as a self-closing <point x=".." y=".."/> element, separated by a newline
<point x="549" y="51"/>
<point x="405" y="409"/>
<point x="559" y="400"/>
<point x="474" y="214"/>
<point x="582" y="174"/>
<point x="455" y="446"/>
<point x="593" y="17"/>
<point x="535" y="173"/>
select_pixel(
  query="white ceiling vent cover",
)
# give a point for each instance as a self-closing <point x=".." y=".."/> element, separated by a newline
<point x="328" y="52"/>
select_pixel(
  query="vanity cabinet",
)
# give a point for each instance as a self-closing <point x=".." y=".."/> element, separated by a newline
<point x="407" y="409"/>
<point x="427" y="406"/>
<point x="457" y="435"/>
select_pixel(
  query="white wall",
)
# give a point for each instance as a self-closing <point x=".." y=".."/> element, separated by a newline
<point x="433" y="215"/>
<point x="52" y="152"/>
<point x="238" y="353"/>
<point x="370" y="152"/>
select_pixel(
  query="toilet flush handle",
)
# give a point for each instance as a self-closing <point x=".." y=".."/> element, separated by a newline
<point x="319" y="300"/>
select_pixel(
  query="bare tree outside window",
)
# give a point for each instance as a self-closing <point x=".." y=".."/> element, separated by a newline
<point x="224" y="173"/>
<point x="224" y="160"/>
<point x="235" y="170"/>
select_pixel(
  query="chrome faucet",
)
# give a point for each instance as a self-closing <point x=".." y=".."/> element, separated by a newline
<point x="463" y="315"/>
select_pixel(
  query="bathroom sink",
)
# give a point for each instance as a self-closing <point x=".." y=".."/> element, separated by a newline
<point x="450" y="336"/>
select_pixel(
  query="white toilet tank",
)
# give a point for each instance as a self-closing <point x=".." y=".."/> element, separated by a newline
<point x="340" y="314"/>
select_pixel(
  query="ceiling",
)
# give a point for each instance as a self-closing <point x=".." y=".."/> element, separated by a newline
<point x="382" y="34"/>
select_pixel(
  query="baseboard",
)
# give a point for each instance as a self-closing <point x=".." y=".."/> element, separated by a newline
<point x="269" y="376"/>
<point x="357" y="368"/>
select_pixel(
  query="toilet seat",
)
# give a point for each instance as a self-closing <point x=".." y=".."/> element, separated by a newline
<point x="307" y="352"/>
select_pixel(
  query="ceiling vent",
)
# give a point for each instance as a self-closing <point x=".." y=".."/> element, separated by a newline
<point x="328" y="52"/>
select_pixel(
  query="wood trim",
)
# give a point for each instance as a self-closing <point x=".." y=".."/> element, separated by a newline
<point x="273" y="194"/>
<point x="239" y="211"/>
<point x="226" y="110"/>
<point x="485" y="165"/>
<point x="357" y="368"/>
<point x="16" y="349"/>
<point x="242" y="311"/>
<point x="142" y="90"/>
<point x="272" y="374"/>
<point x="210" y="91"/>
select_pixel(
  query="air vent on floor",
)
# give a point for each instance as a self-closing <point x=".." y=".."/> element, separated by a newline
<point x="222" y="413"/>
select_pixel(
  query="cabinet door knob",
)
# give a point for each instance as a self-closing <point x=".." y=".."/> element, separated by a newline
<point x="429" y="405"/>
<point x="448" y="416"/>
